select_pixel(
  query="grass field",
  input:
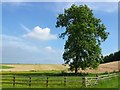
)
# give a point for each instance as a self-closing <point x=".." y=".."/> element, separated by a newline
<point x="109" y="67"/>
<point x="55" y="80"/>
<point x="110" y="83"/>
<point x="6" y="67"/>
<point x="55" y="74"/>
<point x="40" y="82"/>
<point x="58" y="82"/>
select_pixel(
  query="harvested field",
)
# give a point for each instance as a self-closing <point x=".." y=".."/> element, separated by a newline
<point x="35" y="67"/>
<point x="109" y="67"/>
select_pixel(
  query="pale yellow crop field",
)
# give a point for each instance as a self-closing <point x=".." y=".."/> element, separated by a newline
<point x="109" y="67"/>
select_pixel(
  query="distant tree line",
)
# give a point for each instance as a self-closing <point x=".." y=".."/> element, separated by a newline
<point x="112" y="57"/>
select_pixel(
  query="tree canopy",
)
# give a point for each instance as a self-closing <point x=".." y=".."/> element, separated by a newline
<point x="84" y="36"/>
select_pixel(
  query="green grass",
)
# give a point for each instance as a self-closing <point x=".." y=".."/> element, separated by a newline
<point x="40" y="81"/>
<point x="45" y="73"/>
<point x="48" y="73"/>
<point x="6" y="67"/>
<point x="108" y="83"/>
<point x="55" y="80"/>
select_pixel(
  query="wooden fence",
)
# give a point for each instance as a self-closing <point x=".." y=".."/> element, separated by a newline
<point x="90" y="81"/>
<point x="65" y="81"/>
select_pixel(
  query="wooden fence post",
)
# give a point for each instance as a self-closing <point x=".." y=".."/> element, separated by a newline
<point x="108" y="77"/>
<point x="84" y="81"/>
<point x="64" y="81"/>
<point x="97" y="79"/>
<point x="29" y="81"/>
<point x="13" y="80"/>
<point x="47" y="82"/>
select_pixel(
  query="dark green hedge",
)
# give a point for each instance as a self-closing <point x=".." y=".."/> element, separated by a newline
<point x="112" y="57"/>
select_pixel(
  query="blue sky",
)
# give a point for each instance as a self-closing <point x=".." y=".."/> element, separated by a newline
<point x="29" y="34"/>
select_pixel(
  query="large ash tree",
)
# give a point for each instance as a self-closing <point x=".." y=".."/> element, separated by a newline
<point x="84" y="36"/>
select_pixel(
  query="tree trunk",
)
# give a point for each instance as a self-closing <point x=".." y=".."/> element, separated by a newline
<point x="77" y="56"/>
<point x="76" y="70"/>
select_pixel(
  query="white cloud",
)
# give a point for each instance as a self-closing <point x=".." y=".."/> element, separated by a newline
<point x="49" y="49"/>
<point x="108" y="7"/>
<point x="12" y="41"/>
<point x="9" y="38"/>
<point x="19" y="50"/>
<point x="40" y="34"/>
<point x="104" y="7"/>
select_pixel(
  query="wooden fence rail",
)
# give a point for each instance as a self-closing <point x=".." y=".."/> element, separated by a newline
<point x="90" y="81"/>
<point x="84" y="81"/>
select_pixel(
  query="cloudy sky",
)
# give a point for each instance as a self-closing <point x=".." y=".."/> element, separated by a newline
<point x="29" y="34"/>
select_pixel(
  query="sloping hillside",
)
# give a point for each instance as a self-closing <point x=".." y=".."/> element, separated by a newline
<point x="28" y="67"/>
<point x="109" y="67"/>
